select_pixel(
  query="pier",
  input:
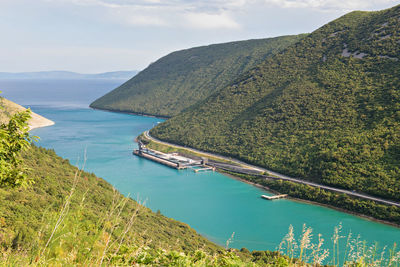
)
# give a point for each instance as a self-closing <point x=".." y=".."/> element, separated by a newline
<point x="274" y="197"/>
<point x="172" y="160"/>
<point x="156" y="158"/>
<point x="201" y="168"/>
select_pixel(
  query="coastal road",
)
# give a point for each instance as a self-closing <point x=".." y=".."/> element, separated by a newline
<point x="278" y="176"/>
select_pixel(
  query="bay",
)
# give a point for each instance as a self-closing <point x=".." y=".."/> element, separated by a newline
<point x="213" y="204"/>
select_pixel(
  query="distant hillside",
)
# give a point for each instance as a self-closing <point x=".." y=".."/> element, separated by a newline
<point x="326" y="109"/>
<point x="68" y="75"/>
<point x="8" y="108"/>
<point x="181" y="78"/>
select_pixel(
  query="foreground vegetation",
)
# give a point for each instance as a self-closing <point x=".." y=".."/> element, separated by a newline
<point x="182" y="78"/>
<point x="69" y="217"/>
<point x="52" y="213"/>
<point x="59" y="215"/>
<point x="67" y="238"/>
<point x="325" y="109"/>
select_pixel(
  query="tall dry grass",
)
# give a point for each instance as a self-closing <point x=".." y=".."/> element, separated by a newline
<point x="303" y="251"/>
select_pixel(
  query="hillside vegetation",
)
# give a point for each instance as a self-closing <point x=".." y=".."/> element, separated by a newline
<point x="24" y="212"/>
<point x="53" y="214"/>
<point x="182" y="78"/>
<point x="73" y="218"/>
<point x="326" y="109"/>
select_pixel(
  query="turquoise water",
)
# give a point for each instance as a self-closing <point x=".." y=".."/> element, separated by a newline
<point x="213" y="204"/>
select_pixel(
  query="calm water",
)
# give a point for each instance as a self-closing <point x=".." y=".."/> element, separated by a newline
<point x="213" y="204"/>
<point x="56" y="93"/>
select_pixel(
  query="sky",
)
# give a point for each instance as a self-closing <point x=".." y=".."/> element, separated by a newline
<point x="93" y="36"/>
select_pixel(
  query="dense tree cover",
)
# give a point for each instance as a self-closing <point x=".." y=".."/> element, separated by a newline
<point x="181" y="78"/>
<point x="326" y="109"/>
<point x="14" y="140"/>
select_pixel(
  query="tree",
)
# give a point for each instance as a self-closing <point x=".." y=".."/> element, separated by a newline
<point x="14" y="139"/>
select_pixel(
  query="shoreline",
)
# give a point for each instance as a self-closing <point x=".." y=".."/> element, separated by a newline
<point x="270" y="190"/>
<point x="37" y="121"/>
<point x="310" y="202"/>
<point x="10" y="108"/>
<point x="132" y="113"/>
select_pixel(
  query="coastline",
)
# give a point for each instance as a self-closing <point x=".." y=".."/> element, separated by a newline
<point x="37" y="121"/>
<point x="10" y="108"/>
<point x="132" y="113"/>
<point x="308" y="201"/>
<point x="268" y="189"/>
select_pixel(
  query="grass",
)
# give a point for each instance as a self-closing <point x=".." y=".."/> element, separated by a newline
<point x="356" y="252"/>
<point x="67" y="240"/>
<point x="111" y="238"/>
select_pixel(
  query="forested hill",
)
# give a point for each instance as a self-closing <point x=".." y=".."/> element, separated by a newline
<point x="326" y="109"/>
<point x="181" y="78"/>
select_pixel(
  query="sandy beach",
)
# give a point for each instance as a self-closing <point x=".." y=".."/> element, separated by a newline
<point x="38" y="121"/>
<point x="9" y="108"/>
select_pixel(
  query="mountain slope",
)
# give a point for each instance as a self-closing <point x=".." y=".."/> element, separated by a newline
<point x="326" y="109"/>
<point x="181" y="78"/>
<point x="9" y="108"/>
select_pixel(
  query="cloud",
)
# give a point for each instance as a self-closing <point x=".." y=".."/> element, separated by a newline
<point x="329" y="5"/>
<point x="146" y="20"/>
<point x="210" y="21"/>
<point x="207" y="14"/>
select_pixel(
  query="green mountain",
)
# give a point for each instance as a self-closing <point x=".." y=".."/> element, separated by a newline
<point x="181" y="78"/>
<point x="326" y="109"/>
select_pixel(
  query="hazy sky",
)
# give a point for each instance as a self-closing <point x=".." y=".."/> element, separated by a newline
<point x="93" y="36"/>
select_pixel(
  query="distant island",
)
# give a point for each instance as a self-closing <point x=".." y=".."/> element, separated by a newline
<point x="66" y="75"/>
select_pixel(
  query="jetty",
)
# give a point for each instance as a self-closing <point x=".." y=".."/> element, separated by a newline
<point x="201" y="168"/>
<point x="173" y="160"/>
<point x="274" y="197"/>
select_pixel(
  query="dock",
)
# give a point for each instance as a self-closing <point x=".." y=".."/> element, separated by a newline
<point x="274" y="197"/>
<point x="173" y="160"/>
<point x="201" y="168"/>
<point x="158" y="159"/>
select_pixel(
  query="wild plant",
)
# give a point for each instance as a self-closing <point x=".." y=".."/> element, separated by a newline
<point x="356" y="253"/>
